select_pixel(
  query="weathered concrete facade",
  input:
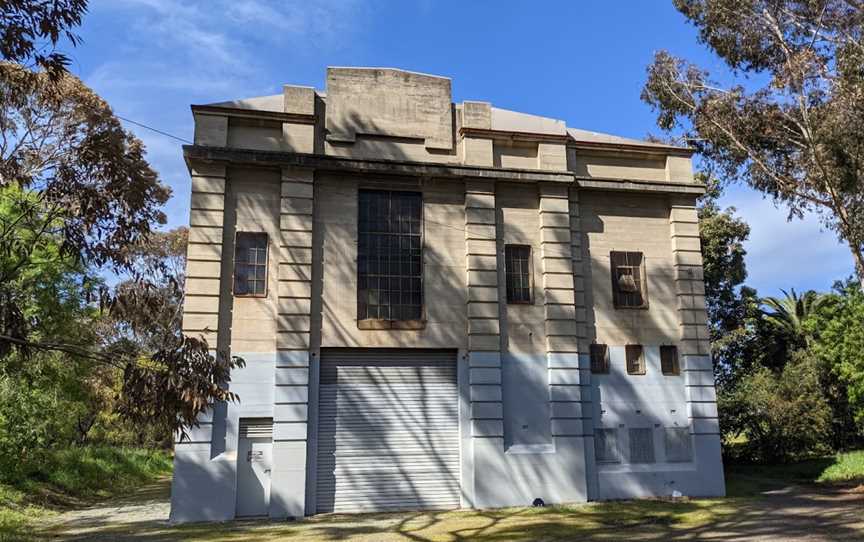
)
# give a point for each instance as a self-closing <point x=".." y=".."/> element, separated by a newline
<point x="292" y="166"/>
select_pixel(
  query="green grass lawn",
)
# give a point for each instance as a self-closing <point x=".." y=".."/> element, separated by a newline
<point x="744" y="480"/>
<point x="75" y="477"/>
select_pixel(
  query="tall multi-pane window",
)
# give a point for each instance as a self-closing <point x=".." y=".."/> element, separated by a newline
<point x="517" y="270"/>
<point x="250" y="264"/>
<point x="390" y="256"/>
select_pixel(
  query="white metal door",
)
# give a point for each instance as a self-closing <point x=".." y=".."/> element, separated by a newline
<point x="254" y="463"/>
<point x="388" y="430"/>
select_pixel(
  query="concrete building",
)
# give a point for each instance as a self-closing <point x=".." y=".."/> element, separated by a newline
<point x="440" y="305"/>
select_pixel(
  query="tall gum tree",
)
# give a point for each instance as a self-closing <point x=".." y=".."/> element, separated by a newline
<point x="73" y="179"/>
<point x="799" y="137"/>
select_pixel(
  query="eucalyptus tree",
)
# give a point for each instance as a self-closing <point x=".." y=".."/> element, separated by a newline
<point x="789" y="120"/>
<point x="72" y="176"/>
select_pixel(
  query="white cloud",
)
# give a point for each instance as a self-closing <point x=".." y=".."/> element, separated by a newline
<point x="798" y="254"/>
<point x="163" y="55"/>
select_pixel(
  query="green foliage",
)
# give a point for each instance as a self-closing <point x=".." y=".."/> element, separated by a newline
<point x="790" y="312"/>
<point x="838" y="342"/>
<point x="744" y="479"/>
<point x="722" y="237"/>
<point x="72" y="476"/>
<point x="848" y="467"/>
<point x="92" y="471"/>
<point x="783" y="415"/>
<point x="17" y="516"/>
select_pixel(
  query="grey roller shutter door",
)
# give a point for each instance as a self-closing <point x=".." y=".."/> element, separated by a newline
<point x="388" y="430"/>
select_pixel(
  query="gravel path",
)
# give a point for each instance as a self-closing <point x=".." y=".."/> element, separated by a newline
<point x="145" y="509"/>
<point x="794" y="514"/>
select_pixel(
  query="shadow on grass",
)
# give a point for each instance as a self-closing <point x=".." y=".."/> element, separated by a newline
<point x="637" y="520"/>
<point x="780" y="502"/>
<point x="749" y="479"/>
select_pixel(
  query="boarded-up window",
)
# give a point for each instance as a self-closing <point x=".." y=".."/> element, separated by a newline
<point x="606" y="446"/>
<point x="635" y="359"/>
<point x="250" y="264"/>
<point x="629" y="285"/>
<point x="678" y="445"/>
<point x="390" y="256"/>
<point x="641" y="445"/>
<point x="669" y="360"/>
<point x="517" y="270"/>
<point x="599" y="359"/>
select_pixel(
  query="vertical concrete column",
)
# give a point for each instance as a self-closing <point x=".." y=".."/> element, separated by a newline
<point x="581" y="308"/>
<point x="204" y="252"/>
<point x="484" y="340"/>
<point x="291" y="379"/>
<point x="203" y="268"/>
<point x="562" y="329"/>
<point x="195" y="472"/>
<point x="695" y="348"/>
<point x="579" y="282"/>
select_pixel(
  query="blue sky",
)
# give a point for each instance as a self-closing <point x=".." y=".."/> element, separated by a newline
<point x="583" y="62"/>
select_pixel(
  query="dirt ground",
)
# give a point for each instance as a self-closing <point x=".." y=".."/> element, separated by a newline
<point x="792" y="513"/>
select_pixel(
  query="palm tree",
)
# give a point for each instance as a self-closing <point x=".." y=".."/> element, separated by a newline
<point x="790" y="312"/>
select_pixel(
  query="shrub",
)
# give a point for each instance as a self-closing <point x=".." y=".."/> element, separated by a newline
<point x="782" y="415"/>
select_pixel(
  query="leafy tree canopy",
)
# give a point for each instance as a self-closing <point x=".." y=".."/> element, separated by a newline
<point x="838" y="334"/>
<point x="31" y="29"/>
<point x="799" y="137"/>
<point x="76" y="186"/>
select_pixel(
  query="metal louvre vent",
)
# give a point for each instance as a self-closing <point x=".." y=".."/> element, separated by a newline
<point x="388" y="430"/>
<point x="606" y="446"/>
<point x="641" y="445"/>
<point x="256" y="427"/>
<point x="678" y="446"/>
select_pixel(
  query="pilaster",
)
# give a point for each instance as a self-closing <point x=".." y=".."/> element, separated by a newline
<point x="484" y="339"/>
<point x="291" y="378"/>
<point x="566" y="380"/>
<point x="203" y="272"/>
<point x="695" y="351"/>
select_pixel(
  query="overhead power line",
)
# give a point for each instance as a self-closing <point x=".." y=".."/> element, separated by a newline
<point x="142" y="125"/>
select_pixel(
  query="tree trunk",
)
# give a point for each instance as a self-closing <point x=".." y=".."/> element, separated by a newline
<point x="858" y="256"/>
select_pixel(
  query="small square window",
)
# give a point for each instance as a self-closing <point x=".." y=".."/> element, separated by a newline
<point x="629" y="285"/>
<point x="599" y="359"/>
<point x="669" y="360"/>
<point x="517" y="271"/>
<point x="250" y="264"/>
<point x="635" y="359"/>
<point x="641" y="445"/>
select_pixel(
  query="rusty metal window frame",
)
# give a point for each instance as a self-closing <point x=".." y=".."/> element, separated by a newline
<point x="624" y="264"/>
<point x="599" y="358"/>
<point x="635" y="359"/>
<point x="389" y="258"/>
<point x="519" y="274"/>
<point x="669" y="361"/>
<point x="250" y="264"/>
